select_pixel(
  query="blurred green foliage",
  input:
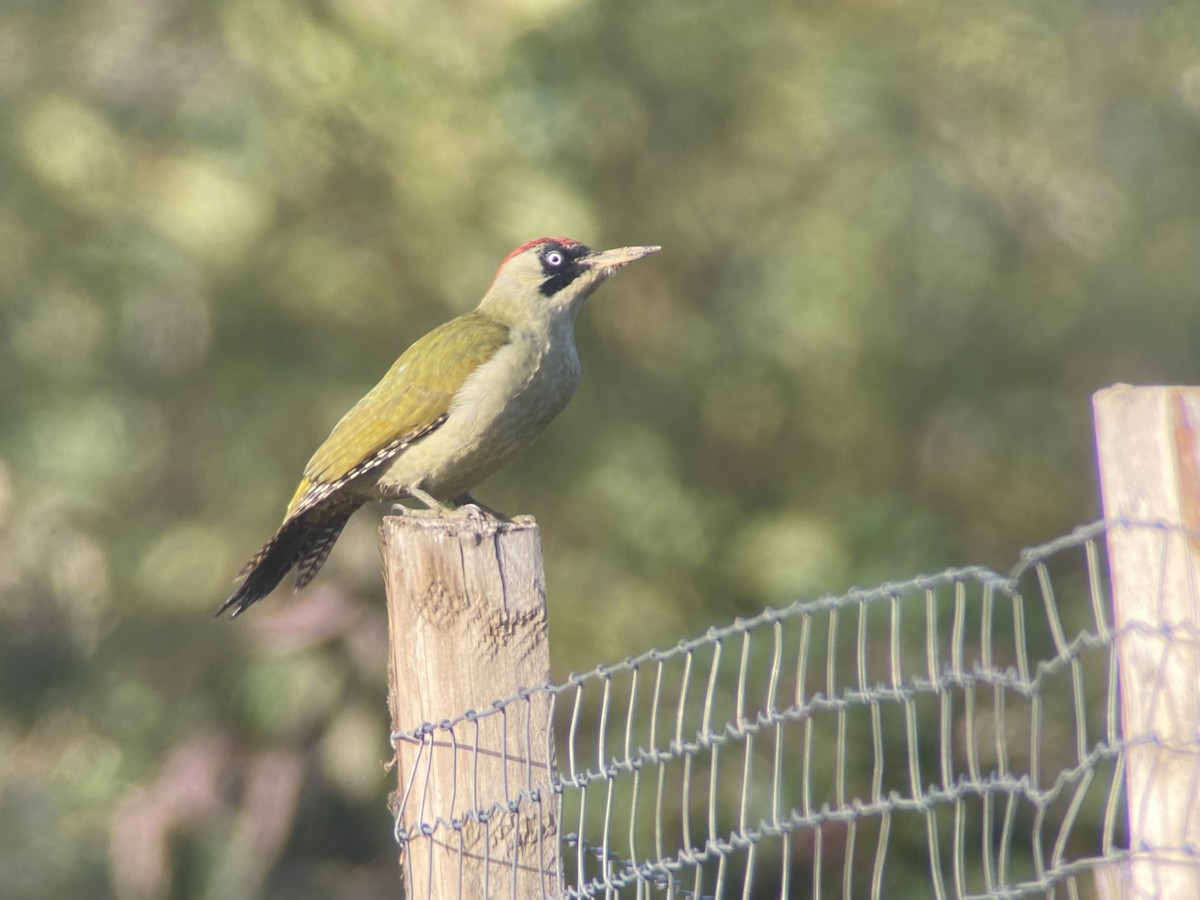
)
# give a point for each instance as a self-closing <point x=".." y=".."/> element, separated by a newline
<point x="904" y="242"/>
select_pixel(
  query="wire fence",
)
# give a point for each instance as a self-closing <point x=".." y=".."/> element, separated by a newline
<point x="953" y="735"/>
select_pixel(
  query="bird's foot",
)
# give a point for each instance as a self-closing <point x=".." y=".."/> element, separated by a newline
<point x="433" y="506"/>
<point x="473" y="509"/>
<point x="464" y="506"/>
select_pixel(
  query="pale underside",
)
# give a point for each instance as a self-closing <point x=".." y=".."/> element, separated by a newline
<point x="502" y="407"/>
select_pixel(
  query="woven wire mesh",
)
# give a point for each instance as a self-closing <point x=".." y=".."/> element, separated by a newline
<point x="953" y="735"/>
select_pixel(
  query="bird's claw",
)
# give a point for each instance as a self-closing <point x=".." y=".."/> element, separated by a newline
<point x="478" y="512"/>
<point x="465" y="506"/>
<point x="473" y="513"/>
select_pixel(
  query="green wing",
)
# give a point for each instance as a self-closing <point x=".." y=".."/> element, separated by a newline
<point x="411" y="400"/>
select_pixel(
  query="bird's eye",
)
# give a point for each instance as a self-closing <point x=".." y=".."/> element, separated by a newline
<point x="554" y="259"/>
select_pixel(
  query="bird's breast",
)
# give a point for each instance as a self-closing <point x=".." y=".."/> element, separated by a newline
<point x="500" y="408"/>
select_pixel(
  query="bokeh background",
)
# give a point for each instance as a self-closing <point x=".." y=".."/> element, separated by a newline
<point x="904" y="242"/>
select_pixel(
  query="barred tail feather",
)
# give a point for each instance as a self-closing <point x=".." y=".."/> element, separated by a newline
<point x="302" y="542"/>
<point x="316" y="550"/>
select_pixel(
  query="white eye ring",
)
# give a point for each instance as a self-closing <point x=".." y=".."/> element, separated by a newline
<point x="554" y="258"/>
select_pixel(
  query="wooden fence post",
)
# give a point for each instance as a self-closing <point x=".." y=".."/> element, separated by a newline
<point x="466" y="604"/>
<point x="1149" y="450"/>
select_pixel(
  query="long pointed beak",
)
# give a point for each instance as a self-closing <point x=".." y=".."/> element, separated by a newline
<point x="608" y="261"/>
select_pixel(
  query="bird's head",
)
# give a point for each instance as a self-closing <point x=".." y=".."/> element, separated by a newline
<point x="549" y="277"/>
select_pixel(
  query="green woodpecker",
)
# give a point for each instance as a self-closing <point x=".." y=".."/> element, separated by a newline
<point x="451" y="410"/>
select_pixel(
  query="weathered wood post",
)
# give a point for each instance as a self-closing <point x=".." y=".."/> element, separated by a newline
<point x="466" y="604"/>
<point x="1148" y="440"/>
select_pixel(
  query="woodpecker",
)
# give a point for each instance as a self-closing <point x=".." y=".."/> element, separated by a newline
<point x="455" y="407"/>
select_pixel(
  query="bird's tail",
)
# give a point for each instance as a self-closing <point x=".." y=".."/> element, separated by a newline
<point x="302" y="542"/>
